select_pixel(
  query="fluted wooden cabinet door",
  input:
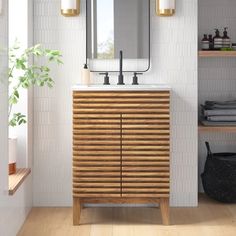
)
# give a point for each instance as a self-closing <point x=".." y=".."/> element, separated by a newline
<point x="145" y="146"/>
<point x="96" y="149"/>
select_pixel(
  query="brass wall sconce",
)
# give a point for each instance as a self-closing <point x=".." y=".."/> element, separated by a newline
<point x="70" y="7"/>
<point x="165" y="7"/>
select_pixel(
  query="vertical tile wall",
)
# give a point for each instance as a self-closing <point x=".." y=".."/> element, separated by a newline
<point x="217" y="76"/>
<point x="174" y="62"/>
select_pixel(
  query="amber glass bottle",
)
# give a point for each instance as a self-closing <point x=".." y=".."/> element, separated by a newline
<point x="205" y="43"/>
<point x="217" y="40"/>
<point x="226" y="39"/>
<point x="211" y="43"/>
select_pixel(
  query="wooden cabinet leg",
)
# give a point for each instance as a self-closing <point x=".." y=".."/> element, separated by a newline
<point x="164" y="205"/>
<point x="76" y="210"/>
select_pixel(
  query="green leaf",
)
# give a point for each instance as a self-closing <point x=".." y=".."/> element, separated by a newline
<point x="25" y="85"/>
<point x="45" y="68"/>
<point x="16" y="94"/>
<point x="13" y="99"/>
<point x="59" y="62"/>
<point x="20" y="64"/>
<point x="17" y="119"/>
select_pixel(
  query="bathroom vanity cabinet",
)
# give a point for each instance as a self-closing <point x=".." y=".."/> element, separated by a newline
<point x="121" y="148"/>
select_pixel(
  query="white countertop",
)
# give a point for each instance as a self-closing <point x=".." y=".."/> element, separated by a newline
<point x="140" y="87"/>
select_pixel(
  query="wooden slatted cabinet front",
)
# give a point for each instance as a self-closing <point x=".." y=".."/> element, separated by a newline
<point x="121" y="148"/>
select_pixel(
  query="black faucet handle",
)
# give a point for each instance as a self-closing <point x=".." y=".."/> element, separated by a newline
<point x="135" y="78"/>
<point x="106" y="78"/>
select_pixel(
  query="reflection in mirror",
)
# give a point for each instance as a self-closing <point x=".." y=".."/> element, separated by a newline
<point x="103" y="47"/>
<point x="114" y="25"/>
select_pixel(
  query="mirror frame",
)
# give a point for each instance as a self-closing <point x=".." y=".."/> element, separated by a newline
<point x="149" y="41"/>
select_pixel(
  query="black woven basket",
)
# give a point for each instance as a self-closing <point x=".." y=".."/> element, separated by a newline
<point x="219" y="176"/>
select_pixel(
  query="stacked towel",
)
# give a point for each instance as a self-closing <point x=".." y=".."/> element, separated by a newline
<point x="219" y="113"/>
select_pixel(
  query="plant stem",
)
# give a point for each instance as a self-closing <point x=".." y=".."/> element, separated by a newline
<point x="11" y="71"/>
<point x="10" y="107"/>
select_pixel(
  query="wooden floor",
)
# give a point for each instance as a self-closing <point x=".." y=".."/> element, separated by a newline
<point x="209" y="219"/>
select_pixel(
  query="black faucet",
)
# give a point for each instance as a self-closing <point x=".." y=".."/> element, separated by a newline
<point x="135" y="78"/>
<point x="121" y="76"/>
<point x="106" y="78"/>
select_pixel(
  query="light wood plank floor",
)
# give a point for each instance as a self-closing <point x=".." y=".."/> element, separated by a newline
<point x="209" y="219"/>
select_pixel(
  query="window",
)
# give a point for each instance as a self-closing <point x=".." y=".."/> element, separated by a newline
<point x="20" y="32"/>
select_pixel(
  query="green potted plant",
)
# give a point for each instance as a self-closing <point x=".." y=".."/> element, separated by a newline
<point x="24" y="74"/>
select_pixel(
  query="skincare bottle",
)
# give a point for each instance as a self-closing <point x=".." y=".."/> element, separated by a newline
<point x="211" y="43"/>
<point x="218" y="41"/>
<point x="226" y="39"/>
<point x="85" y="75"/>
<point x="205" y="43"/>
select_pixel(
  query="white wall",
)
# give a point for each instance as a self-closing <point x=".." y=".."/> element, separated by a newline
<point x="216" y="75"/>
<point x="13" y="209"/>
<point x="174" y="61"/>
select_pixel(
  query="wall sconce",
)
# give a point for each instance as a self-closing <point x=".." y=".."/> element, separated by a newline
<point x="70" y="7"/>
<point x="165" y="7"/>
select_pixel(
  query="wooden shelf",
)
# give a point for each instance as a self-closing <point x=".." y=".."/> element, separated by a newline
<point x="226" y="129"/>
<point x="17" y="179"/>
<point x="217" y="53"/>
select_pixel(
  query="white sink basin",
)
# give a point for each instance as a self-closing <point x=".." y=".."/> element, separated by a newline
<point x="140" y="87"/>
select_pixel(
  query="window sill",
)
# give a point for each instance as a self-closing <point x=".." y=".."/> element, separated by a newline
<point x="17" y="179"/>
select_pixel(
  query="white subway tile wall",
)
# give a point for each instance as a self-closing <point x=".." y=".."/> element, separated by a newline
<point x="216" y="75"/>
<point x="173" y="61"/>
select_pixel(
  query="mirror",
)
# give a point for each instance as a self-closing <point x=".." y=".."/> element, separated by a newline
<point x="114" y="25"/>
